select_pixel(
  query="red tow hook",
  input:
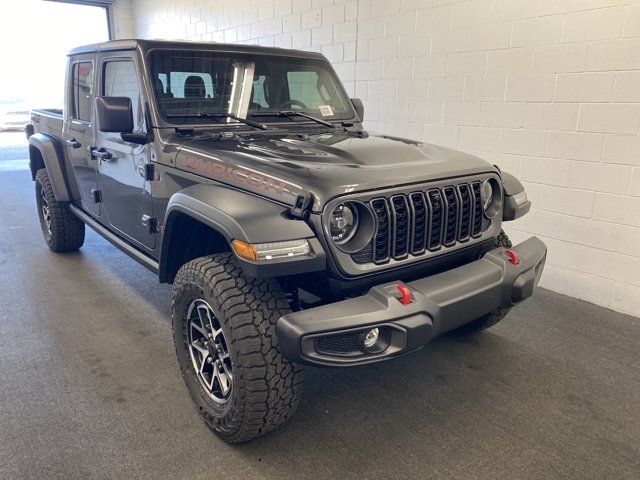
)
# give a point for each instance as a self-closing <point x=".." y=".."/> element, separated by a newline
<point x="405" y="293"/>
<point x="513" y="256"/>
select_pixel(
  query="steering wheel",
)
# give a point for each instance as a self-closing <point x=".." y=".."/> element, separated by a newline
<point x="291" y="103"/>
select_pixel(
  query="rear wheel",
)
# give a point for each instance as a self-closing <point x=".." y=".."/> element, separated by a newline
<point x="491" y="318"/>
<point x="225" y="339"/>
<point x="62" y="230"/>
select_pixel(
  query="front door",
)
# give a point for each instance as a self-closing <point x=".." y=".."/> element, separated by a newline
<point x="79" y="132"/>
<point x="126" y="193"/>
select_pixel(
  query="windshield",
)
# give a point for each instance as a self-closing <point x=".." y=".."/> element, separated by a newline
<point x="189" y="85"/>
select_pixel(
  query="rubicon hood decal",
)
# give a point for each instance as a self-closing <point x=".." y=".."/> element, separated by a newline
<point x="236" y="175"/>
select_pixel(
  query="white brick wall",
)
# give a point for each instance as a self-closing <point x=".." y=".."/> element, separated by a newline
<point x="121" y="17"/>
<point x="547" y="89"/>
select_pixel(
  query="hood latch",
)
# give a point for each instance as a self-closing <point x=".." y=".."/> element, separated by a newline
<point x="302" y="204"/>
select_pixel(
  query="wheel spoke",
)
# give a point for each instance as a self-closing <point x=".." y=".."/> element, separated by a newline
<point x="217" y="332"/>
<point x="209" y="384"/>
<point x="223" y="379"/>
<point x="204" y="316"/>
<point x="200" y="329"/>
<point x="227" y="372"/>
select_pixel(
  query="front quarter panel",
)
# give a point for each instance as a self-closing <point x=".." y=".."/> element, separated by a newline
<point x="238" y="215"/>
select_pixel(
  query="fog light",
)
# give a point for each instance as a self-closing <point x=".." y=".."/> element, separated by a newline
<point x="371" y="338"/>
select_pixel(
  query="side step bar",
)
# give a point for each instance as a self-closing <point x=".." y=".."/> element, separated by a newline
<point x="140" y="257"/>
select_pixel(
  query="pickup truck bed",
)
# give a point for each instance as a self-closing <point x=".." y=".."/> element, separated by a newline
<point x="49" y="121"/>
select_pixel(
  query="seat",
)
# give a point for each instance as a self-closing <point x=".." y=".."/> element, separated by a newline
<point x="194" y="87"/>
<point x="158" y="87"/>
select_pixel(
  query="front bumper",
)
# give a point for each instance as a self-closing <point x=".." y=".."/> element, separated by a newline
<point x="330" y="335"/>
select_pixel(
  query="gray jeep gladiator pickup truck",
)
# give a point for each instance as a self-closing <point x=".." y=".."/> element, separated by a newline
<point x="243" y="176"/>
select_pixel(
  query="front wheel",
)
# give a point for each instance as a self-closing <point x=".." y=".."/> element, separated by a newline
<point x="225" y="339"/>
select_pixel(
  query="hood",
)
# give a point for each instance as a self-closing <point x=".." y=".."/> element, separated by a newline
<point x="323" y="165"/>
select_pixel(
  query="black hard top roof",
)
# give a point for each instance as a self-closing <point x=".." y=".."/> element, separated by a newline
<point x="146" y="45"/>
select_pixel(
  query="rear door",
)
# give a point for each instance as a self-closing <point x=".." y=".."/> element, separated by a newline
<point x="126" y="194"/>
<point x="78" y="130"/>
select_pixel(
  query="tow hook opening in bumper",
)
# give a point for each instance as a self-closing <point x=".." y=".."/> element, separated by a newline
<point x="397" y="318"/>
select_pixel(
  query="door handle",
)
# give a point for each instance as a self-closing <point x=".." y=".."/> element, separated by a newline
<point x="102" y="154"/>
<point x="73" y="143"/>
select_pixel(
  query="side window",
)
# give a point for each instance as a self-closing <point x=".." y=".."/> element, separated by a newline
<point x="82" y="90"/>
<point x="120" y="80"/>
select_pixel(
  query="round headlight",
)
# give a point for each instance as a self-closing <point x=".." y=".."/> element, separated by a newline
<point x="491" y="196"/>
<point x="487" y="194"/>
<point x="343" y="223"/>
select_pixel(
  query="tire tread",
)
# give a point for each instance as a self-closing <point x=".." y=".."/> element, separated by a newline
<point x="67" y="230"/>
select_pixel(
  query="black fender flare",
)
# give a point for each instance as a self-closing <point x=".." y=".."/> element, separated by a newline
<point x="52" y="155"/>
<point x="238" y="215"/>
<point x="512" y="186"/>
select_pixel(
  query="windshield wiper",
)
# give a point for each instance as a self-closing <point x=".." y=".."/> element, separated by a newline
<point x="218" y="115"/>
<point x="292" y="113"/>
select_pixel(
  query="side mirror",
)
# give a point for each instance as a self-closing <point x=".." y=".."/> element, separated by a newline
<point x="359" y="106"/>
<point x="115" y="114"/>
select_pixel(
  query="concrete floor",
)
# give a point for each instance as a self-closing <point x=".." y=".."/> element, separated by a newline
<point x="14" y="151"/>
<point x="91" y="387"/>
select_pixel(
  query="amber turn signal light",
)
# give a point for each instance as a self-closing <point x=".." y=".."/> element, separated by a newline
<point x="245" y="250"/>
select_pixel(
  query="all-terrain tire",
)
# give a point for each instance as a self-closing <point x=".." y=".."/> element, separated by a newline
<point x="491" y="318"/>
<point x="266" y="387"/>
<point x="62" y="230"/>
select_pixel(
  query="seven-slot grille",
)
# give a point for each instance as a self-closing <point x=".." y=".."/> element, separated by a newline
<point x="423" y="221"/>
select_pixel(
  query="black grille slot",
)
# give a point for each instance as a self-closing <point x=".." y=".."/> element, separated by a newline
<point x="466" y="211"/>
<point x="419" y="215"/>
<point x="401" y="224"/>
<point x="451" y="216"/>
<point x="365" y="255"/>
<point x="476" y="228"/>
<point x="436" y="207"/>
<point x="347" y="344"/>
<point x="382" y="239"/>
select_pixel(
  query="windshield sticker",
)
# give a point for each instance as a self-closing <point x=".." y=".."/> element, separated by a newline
<point x="325" y="110"/>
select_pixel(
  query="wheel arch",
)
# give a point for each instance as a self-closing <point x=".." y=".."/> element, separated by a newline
<point x="46" y="152"/>
<point x="207" y="218"/>
<point x="187" y="236"/>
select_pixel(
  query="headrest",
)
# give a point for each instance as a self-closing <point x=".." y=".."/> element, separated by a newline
<point x="194" y="87"/>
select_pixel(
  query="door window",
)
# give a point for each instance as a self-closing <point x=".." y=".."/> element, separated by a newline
<point x="120" y="80"/>
<point x="82" y="90"/>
